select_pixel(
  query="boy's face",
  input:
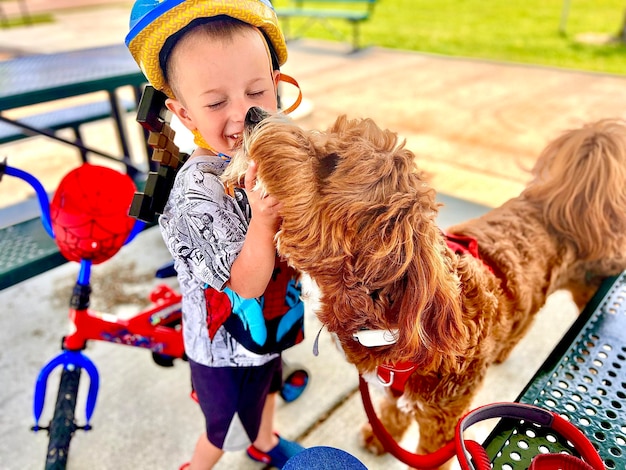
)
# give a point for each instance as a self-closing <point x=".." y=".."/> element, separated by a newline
<point x="217" y="81"/>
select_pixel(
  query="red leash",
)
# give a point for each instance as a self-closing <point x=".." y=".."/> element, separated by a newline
<point x="465" y="449"/>
<point x="423" y="461"/>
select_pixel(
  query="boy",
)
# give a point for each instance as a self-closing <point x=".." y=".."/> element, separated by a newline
<point x="215" y="59"/>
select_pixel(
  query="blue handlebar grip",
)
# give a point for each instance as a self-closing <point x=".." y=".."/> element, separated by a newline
<point x="42" y="196"/>
<point x="137" y="228"/>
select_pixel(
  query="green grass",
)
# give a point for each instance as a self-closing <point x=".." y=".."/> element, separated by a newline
<point x="36" y="18"/>
<point x="514" y="31"/>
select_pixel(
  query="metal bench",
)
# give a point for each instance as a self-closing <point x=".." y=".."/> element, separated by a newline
<point x="583" y="380"/>
<point x="64" y="118"/>
<point x="354" y="12"/>
<point x="26" y="250"/>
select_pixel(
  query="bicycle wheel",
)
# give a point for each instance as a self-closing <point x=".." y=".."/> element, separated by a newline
<point x="63" y="423"/>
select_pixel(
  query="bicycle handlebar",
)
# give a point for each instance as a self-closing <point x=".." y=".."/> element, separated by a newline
<point x="44" y="201"/>
<point x="42" y="196"/>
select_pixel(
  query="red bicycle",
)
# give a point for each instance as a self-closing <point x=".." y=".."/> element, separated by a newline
<point x="88" y="219"/>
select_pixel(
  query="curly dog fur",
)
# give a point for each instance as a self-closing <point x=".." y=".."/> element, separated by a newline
<point x="359" y="218"/>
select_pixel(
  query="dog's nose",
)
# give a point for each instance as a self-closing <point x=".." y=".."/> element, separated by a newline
<point x="254" y="116"/>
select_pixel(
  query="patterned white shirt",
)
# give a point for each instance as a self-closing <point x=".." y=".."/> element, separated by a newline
<point x="204" y="229"/>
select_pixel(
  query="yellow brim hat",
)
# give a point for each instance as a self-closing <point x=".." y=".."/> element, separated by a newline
<point x="154" y="21"/>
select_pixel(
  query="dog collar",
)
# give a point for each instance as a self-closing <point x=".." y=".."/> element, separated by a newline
<point x="393" y="376"/>
<point x="373" y="338"/>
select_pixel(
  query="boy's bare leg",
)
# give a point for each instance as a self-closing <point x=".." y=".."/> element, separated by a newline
<point x="205" y="455"/>
<point x="266" y="439"/>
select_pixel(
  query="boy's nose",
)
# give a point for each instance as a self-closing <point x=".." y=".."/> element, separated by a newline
<point x="254" y="116"/>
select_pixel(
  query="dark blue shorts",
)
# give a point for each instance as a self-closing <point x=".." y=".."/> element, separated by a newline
<point x="232" y="400"/>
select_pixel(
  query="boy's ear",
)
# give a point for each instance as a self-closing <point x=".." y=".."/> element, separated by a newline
<point x="180" y="111"/>
<point x="276" y="78"/>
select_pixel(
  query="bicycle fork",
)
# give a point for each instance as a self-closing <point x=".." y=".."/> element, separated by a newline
<point x="63" y="423"/>
<point x="72" y="362"/>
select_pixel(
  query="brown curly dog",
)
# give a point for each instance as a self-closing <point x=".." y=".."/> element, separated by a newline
<point x="359" y="218"/>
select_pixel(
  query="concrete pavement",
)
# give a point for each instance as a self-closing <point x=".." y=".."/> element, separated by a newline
<point x="477" y="126"/>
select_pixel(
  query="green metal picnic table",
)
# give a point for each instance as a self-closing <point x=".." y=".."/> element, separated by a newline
<point x="41" y="78"/>
<point x="25" y="249"/>
<point x="584" y="381"/>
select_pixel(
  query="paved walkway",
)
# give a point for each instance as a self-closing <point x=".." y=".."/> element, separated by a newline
<point x="476" y="126"/>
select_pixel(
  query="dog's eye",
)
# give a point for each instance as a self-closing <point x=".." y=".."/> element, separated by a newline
<point x="328" y="165"/>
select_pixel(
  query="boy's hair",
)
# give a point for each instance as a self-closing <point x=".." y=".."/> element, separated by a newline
<point x="216" y="27"/>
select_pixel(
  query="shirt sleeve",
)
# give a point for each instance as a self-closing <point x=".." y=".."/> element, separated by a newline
<point x="209" y="226"/>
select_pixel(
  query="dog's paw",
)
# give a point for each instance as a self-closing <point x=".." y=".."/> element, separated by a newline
<point x="369" y="441"/>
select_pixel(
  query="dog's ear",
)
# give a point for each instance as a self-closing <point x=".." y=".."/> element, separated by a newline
<point x="327" y="165"/>
<point x="430" y="319"/>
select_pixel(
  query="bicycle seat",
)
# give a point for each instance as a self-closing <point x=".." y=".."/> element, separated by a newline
<point x="89" y="213"/>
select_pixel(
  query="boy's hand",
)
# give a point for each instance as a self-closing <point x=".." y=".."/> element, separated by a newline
<point x="265" y="208"/>
<point x="253" y="268"/>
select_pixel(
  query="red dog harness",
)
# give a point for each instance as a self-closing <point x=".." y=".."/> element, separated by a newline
<point x="395" y="376"/>
<point x="461" y="244"/>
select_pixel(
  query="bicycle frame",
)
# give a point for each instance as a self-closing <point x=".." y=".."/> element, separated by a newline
<point x="150" y="329"/>
<point x="156" y="328"/>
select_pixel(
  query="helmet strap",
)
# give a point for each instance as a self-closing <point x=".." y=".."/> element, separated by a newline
<point x="200" y="142"/>
<point x="292" y="81"/>
<point x="282" y="77"/>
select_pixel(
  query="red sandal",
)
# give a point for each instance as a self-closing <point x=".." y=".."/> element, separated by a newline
<point x="278" y="456"/>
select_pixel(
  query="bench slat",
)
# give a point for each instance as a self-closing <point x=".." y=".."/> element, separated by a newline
<point x="64" y="118"/>
<point x="321" y="10"/>
<point x="338" y="14"/>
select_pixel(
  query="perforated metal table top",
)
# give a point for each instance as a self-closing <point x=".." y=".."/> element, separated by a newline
<point x="39" y="78"/>
<point x="583" y="380"/>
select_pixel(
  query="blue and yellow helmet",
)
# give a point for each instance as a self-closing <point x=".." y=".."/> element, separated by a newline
<point x="152" y="22"/>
